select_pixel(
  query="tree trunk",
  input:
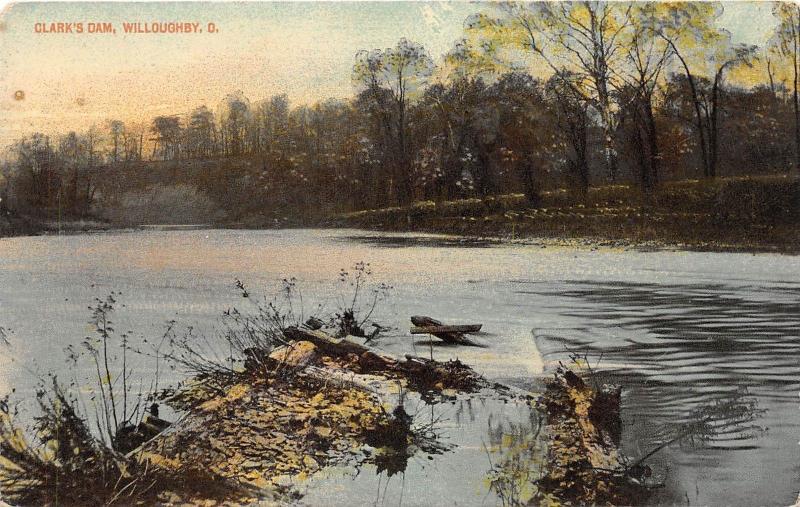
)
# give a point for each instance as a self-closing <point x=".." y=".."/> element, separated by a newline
<point x="652" y="132"/>
<point x="485" y="178"/>
<point x="639" y="139"/>
<point x="796" y="101"/>
<point x="712" y="141"/>
<point x="609" y="152"/>
<point x="771" y="76"/>
<point x="581" y="163"/>
<point x="698" y="114"/>
<point x="531" y="185"/>
<point x="713" y="133"/>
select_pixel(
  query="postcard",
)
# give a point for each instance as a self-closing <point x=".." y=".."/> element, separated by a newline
<point x="400" y="253"/>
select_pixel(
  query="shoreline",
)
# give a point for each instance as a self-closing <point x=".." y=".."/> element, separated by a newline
<point x="587" y="242"/>
<point x="728" y="215"/>
<point x="573" y="242"/>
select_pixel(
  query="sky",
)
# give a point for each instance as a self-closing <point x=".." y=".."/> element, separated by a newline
<point x="56" y="82"/>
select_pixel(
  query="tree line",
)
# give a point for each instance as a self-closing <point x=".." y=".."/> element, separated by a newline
<point x="534" y="96"/>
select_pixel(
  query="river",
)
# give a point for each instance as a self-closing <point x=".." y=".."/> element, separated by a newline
<point x="678" y="330"/>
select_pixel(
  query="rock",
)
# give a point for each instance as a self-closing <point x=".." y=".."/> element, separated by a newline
<point x="296" y="354"/>
<point x="314" y="323"/>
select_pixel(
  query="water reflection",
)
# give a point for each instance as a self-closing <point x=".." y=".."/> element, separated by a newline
<point x="516" y="454"/>
<point x="683" y="351"/>
<point x="700" y="340"/>
<point x="400" y="241"/>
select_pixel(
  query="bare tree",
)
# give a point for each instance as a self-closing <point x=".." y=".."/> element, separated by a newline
<point x="201" y="133"/>
<point x="583" y="39"/>
<point x="166" y="137"/>
<point x="391" y="77"/>
<point x="787" y="40"/>
<point x="117" y="130"/>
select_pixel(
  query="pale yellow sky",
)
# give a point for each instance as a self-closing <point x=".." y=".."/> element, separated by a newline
<point x="71" y="81"/>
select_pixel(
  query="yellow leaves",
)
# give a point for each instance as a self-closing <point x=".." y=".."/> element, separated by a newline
<point x="322" y="431"/>
<point x="15" y="438"/>
<point x="747" y="75"/>
<point x="580" y="14"/>
<point x="491" y="44"/>
<point x="49" y="451"/>
<point x="310" y="462"/>
<point x="318" y="399"/>
<point x="257" y="480"/>
<point x="160" y="461"/>
<point x="236" y="392"/>
<point x="212" y="405"/>
<point x="787" y="12"/>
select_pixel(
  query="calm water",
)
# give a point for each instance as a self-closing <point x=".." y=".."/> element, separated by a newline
<point x="677" y="329"/>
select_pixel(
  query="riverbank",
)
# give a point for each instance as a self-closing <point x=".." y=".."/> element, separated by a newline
<point x="317" y="402"/>
<point x="723" y="215"/>
<point x="21" y="225"/>
<point x="742" y="214"/>
<point x="15" y="225"/>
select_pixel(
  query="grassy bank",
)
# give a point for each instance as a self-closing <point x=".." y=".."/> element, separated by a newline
<point x="749" y="214"/>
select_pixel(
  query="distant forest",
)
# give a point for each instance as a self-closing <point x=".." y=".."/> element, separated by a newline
<point x="624" y="93"/>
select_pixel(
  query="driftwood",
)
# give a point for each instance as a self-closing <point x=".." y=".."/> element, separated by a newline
<point x="423" y="374"/>
<point x="326" y="343"/>
<point x="339" y="347"/>
<point x="450" y="334"/>
<point x="382" y="388"/>
<point x="385" y="390"/>
<point x="465" y="328"/>
<point x="423" y="321"/>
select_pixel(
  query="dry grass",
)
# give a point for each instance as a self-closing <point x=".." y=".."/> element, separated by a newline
<point x="724" y="214"/>
<point x="64" y="464"/>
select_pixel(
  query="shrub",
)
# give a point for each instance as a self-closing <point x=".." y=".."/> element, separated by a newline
<point x="768" y="200"/>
